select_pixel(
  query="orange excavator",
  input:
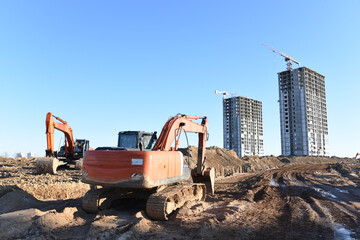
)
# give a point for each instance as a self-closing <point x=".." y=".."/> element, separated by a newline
<point x="158" y="174"/>
<point x="71" y="154"/>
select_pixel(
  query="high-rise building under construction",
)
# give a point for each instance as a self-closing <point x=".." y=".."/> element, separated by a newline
<point x="243" y="125"/>
<point x="303" y="115"/>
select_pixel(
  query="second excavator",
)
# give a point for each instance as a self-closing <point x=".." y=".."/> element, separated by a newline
<point x="158" y="174"/>
<point x="70" y="154"/>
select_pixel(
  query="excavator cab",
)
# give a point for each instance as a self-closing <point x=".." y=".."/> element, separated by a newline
<point x="81" y="146"/>
<point x="133" y="141"/>
<point x="137" y="140"/>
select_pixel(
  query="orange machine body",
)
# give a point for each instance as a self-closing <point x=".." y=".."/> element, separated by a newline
<point x="134" y="169"/>
<point x="148" y="169"/>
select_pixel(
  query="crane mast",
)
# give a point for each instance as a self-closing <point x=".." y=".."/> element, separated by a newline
<point x="288" y="59"/>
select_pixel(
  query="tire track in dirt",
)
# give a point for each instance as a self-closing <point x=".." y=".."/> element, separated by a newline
<point x="312" y="207"/>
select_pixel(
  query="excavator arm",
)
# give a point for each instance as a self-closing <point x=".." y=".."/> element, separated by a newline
<point x="175" y="126"/>
<point x="61" y="126"/>
<point x="171" y="132"/>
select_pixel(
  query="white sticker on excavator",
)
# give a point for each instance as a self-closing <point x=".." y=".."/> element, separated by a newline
<point x="137" y="161"/>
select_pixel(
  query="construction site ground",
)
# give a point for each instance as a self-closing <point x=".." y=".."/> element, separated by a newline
<point x="255" y="198"/>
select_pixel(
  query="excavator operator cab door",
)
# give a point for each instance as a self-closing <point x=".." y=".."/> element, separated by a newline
<point x="81" y="146"/>
<point x="86" y="146"/>
<point x="146" y="140"/>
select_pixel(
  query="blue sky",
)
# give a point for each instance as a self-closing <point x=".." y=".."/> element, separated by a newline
<point x="108" y="66"/>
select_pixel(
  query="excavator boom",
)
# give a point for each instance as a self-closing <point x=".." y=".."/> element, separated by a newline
<point x="63" y="127"/>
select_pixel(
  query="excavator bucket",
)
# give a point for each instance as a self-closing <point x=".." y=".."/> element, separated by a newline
<point x="207" y="178"/>
<point x="48" y="165"/>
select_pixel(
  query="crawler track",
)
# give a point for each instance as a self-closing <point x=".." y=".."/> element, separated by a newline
<point x="160" y="205"/>
<point x="94" y="201"/>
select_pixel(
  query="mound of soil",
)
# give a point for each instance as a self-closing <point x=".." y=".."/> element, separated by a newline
<point x="227" y="163"/>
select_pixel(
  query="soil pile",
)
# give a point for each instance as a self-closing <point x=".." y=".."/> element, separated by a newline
<point x="227" y="163"/>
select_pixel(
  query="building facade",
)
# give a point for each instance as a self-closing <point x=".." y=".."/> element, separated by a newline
<point x="243" y="126"/>
<point x="303" y="114"/>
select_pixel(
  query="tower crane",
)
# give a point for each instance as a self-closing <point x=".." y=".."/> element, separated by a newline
<point x="226" y="93"/>
<point x="288" y="59"/>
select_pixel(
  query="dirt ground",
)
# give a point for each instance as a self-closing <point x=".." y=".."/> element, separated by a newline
<point x="255" y="198"/>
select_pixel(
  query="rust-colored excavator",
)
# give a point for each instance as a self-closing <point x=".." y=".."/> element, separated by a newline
<point x="357" y="154"/>
<point x="158" y="174"/>
<point x="71" y="154"/>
